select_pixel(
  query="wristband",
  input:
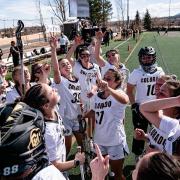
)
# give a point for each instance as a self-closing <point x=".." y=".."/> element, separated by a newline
<point x="133" y="106"/>
<point x="76" y="162"/>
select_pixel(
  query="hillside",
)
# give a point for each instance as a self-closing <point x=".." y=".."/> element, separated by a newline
<point x="177" y="15"/>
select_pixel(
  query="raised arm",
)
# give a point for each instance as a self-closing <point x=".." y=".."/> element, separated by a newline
<point x="151" y="109"/>
<point x="77" y="41"/>
<point x="119" y="95"/>
<point x="54" y="60"/>
<point x="99" y="58"/>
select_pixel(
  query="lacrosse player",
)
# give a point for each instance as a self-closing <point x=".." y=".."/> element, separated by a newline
<point x="141" y="88"/>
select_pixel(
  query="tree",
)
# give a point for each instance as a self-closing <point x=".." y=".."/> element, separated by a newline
<point x="100" y="11"/>
<point x="41" y="20"/>
<point x="59" y="9"/>
<point x="137" y="20"/>
<point x="120" y="10"/>
<point x="147" y="21"/>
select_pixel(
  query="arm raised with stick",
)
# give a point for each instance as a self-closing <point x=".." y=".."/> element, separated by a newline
<point x="20" y="49"/>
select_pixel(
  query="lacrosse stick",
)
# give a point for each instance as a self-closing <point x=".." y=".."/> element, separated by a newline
<point x="20" y="49"/>
<point x="81" y="165"/>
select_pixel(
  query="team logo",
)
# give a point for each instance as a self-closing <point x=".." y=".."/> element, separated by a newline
<point x="35" y="138"/>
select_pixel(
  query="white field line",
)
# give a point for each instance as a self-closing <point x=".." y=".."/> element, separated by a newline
<point x="125" y="62"/>
<point x="119" y="45"/>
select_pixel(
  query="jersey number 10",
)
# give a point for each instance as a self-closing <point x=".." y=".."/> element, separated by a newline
<point x="150" y="90"/>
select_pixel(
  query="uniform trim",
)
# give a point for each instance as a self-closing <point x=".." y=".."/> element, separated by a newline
<point x="85" y="67"/>
<point x="100" y="95"/>
<point x="75" y="79"/>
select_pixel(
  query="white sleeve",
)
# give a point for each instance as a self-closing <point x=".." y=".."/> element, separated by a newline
<point x="49" y="173"/>
<point x="169" y="125"/>
<point x="105" y="68"/>
<point x="10" y="98"/>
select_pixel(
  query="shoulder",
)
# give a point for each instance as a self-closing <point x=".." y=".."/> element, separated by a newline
<point x="10" y="84"/>
<point x="50" y="127"/>
<point x="169" y="125"/>
<point x="108" y="65"/>
<point x="49" y="172"/>
<point x="11" y="90"/>
<point x="123" y="67"/>
<point x="95" y="66"/>
<point x="137" y="71"/>
<point x="160" y="69"/>
<point x="77" y="64"/>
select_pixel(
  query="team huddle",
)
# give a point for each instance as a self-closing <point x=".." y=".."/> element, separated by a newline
<point x="39" y="120"/>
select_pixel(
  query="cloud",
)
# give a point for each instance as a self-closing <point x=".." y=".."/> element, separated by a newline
<point x="27" y="11"/>
<point x="156" y="8"/>
<point x="161" y="9"/>
<point x="21" y="8"/>
<point x="24" y="9"/>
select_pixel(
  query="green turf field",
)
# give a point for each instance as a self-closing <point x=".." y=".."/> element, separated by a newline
<point x="168" y="57"/>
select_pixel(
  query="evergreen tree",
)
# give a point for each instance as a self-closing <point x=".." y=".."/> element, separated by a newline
<point x="137" y="20"/>
<point x="100" y="10"/>
<point x="147" y="21"/>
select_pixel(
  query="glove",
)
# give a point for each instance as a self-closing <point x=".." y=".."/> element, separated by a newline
<point x="135" y="107"/>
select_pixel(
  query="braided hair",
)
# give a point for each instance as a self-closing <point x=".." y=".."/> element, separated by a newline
<point x="36" y="96"/>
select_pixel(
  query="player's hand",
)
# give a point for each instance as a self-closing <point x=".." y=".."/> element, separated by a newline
<point x="139" y="134"/>
<point x="99" y="35"/>
<point x="102" y="85"/>
<point x="99" y="165"/>
<point x="46" y="69"/>
<point x="53" y="42"/>
<point x="80" y="157"/>
<point x="78" y="40"/>
<point x="90" y="94"/>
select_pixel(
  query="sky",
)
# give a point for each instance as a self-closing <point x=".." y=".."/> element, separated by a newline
<point x="12" y="10"/>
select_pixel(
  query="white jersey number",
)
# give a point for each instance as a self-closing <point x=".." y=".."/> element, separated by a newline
<point x="10" y="170"/>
